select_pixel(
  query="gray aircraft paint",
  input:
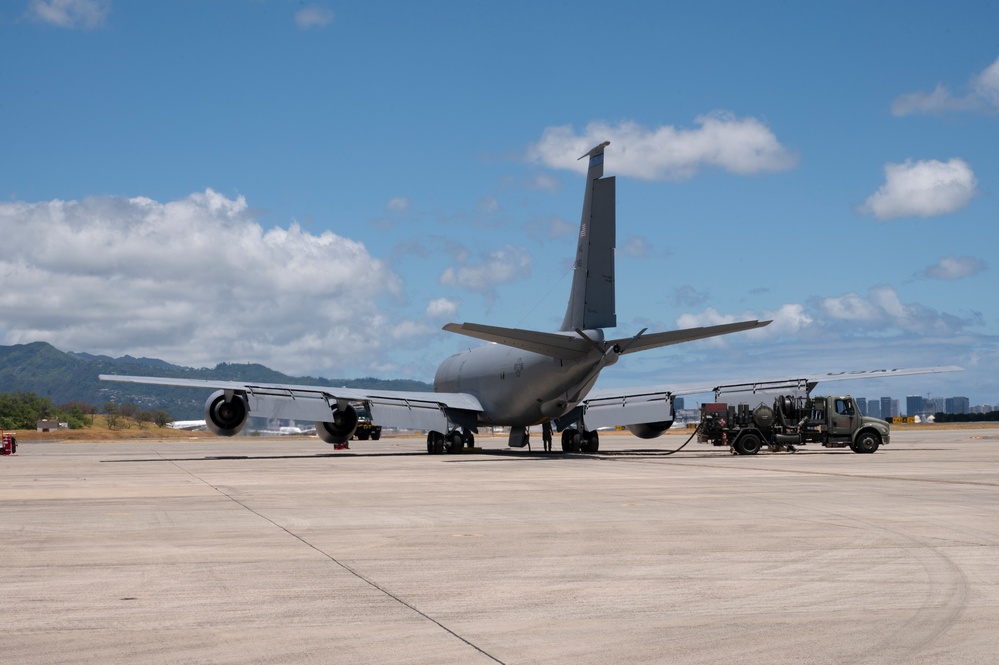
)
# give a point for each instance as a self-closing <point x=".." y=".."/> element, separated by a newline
<point x="525" y="377"/>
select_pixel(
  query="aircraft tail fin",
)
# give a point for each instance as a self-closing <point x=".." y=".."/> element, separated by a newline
<point x="591" y="301"/>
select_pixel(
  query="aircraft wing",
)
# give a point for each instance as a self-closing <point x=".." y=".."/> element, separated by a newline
<point x="389" y="408"/>
<point x="612" y="407"/>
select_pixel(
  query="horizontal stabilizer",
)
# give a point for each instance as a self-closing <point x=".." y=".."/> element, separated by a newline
<point x="655" y="340"/>
<point x="554" y="345"/>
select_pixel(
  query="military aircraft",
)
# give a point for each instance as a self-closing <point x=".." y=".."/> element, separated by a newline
<point x="523" y="378"/>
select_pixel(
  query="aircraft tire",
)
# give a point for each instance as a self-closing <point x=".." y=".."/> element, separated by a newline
<point x="455" y="442"/>
<point x="435" y="443"/>
<point x="470" y="439"/>
<point x="570" y="441"/>
<point x="590" y="442"/>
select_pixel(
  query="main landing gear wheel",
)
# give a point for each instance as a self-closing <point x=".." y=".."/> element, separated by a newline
<point x="469" y="439"/>
<point x="571" y="441"/>
<point x="590" y="442"/>
<point x="435" y="443"/>
<point x="455" y="442"/>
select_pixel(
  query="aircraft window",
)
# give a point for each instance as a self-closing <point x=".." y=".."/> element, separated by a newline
<point x="844" y="407"/>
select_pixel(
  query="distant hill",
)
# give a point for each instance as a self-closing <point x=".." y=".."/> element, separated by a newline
<point x="63" y="377"/>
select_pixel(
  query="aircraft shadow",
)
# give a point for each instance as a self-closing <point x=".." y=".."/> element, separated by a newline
<point x="492" y="454"/>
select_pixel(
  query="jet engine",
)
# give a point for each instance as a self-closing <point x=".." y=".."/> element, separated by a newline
<point x="341" y="429"/>
<point x="650" y="430"/>
<point x="226" y="417"/>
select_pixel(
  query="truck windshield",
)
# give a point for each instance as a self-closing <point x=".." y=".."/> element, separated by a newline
<point x="844" y="407"/>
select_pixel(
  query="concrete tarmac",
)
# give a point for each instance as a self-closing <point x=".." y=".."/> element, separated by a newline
<point x="284" y="551"/>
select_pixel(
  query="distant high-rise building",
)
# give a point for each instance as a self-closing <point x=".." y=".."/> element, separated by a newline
<point x="957" y="405"/>
<point x="914" y="405"/>
<point x="862" y="405"/>
<point x="934" y="405"/>
<point x="886" y="411"/>
<point x="677" y="403"/>
<point x="874" y="408"/>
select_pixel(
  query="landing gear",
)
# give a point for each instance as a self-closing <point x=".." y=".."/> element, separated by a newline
<point x="435" y="443"/>
<point x="571" y="441"/>
<point x="574" y="441"/>
<point x="469" y="439"/>
<point x="453" y="442"/>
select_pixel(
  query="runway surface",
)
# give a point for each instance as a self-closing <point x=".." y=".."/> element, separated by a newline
<point x="284" y="551"/>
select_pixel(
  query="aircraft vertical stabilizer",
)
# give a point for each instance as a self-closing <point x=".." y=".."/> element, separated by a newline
<point x="591" y="301"/>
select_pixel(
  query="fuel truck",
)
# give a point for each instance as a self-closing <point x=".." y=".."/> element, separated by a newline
<point x="833" y="422"/>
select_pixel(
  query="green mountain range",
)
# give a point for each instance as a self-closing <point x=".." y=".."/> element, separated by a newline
<point x="63" y="377"/>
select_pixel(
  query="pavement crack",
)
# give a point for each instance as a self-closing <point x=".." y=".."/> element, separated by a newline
<point x="344" y="566"/>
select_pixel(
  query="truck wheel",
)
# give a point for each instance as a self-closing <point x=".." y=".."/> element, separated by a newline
<point x="376" y="434"/>
<point x="867" y="442"/>
<point x="362" y="435"/>
<point x="748" y="444"/>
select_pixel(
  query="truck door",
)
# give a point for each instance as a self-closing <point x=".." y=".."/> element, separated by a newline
<point x="843" y="417"/>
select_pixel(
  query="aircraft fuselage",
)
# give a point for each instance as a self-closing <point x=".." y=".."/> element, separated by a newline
<point x="521" y="388"/>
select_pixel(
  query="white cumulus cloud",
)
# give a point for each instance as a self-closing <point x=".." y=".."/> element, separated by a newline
<point x="721" y="140"/>
<point x="195" y="281"/>
<point x="922" y="189"/>
<point x="500" y="266"/>
<point x="883" y="310"/>
<point x="955" y="267"/>
<point x="313" y="16"/>
<point x="397" y="204"/>
<point x="85" y="14"/>
<point x="636" y="247"/>
<point x="442" y="308"/>
<point x="982" y="95"/>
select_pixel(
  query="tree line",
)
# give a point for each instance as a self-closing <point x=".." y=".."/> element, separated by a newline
<point x="991" y="416"/>
<point x="23" y="410"/>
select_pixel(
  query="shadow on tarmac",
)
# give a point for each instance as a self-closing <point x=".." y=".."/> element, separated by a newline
<point x="493" y="455"/>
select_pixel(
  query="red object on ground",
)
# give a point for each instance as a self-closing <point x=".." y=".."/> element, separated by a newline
<point x="9" y="445"/>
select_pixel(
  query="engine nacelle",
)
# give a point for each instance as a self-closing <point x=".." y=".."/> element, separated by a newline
<point x="650" y="430"/>
<point x="341" y="429"/>
<point x="226" y="417"/>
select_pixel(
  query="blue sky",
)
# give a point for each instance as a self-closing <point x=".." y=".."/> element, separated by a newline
<point x="319" y="187"/>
